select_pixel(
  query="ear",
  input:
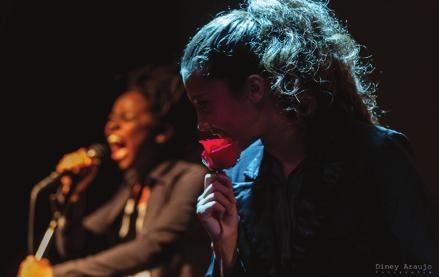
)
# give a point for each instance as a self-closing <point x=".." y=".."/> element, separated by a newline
<point x="256" y="87"/>
<point x="164" y="135"/>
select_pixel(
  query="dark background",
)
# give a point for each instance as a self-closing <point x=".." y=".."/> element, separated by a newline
<point x="60" y="60"/>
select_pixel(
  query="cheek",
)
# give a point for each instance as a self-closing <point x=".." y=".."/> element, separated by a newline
<point x="226" y="119"/>
<point x="136" y="135"/>
<point x="234" y="114"/>
<point x="107" y="129"/>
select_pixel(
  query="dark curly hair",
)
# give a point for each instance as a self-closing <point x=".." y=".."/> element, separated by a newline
<point x="298" y="45"/>
<point x="162" y="87"/>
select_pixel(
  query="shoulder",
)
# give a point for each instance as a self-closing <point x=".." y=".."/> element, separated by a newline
<point x="368" y="139"/>
<point x="381" y="156"/>
<point x="175" y="168"/>
<point x="248" y="163"/>
<point x="177" y="172"/>
<point x="183" y="167"/>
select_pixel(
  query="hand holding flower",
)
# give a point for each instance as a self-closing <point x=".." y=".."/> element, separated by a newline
<point x="216" y="207"/>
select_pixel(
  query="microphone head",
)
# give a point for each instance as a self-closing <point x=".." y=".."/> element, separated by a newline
<point x="98" y="151"/>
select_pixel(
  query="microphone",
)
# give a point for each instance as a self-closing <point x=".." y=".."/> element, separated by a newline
<point x="97" y="151"/>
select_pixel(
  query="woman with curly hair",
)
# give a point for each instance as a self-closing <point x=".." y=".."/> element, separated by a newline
<point x="320" y="189"/>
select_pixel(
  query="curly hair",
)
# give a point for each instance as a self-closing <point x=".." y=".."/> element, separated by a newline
<point x="162" y="87"/>
<point x="297" y="45"/>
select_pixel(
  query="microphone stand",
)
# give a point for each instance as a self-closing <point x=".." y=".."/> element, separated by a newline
<point x="47" y="236"/>
<point x="53" y="224"/>
<point x="41" y="185"/>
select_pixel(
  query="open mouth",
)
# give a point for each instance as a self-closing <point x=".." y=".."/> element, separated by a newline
<point x="118" y="147"/>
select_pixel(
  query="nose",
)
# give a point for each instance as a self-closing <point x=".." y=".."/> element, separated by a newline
<point x="111" y="126"/>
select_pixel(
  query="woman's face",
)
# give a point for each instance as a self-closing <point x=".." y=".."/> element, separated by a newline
<point x="129" y="128"/>
<point x="221" y="113"/>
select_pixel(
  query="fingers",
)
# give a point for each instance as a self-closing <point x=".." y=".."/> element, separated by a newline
<point x="75" y="162"/>
<point x="221" y="183"/>
<point x="66" y="182"/>
<point x="218" y="196"/>
<point x="78" y="164"/>
<point x="220" y="177"/>
<point x="45" y="262"/>
<point x="207" y="178"/>
<point x="210" y="208"/>
<point x="31" y="267"/>
<point x="28" y="261"/>
<point x="31" y="259"/>
<point x="216" y="192"/>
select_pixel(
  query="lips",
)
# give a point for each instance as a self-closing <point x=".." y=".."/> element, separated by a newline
<point x="119" y="151"/>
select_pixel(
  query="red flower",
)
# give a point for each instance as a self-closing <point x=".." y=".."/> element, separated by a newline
<point x="219" y="153"/>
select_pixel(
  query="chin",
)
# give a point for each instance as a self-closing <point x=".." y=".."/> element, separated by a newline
<point x="124" y="164"/>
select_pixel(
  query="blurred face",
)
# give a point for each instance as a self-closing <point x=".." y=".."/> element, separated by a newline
<point x="129" y="128"/>
<point x="220" y="112"/>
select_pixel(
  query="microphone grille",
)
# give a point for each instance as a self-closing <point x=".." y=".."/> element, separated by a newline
<point x="98" y="151"/>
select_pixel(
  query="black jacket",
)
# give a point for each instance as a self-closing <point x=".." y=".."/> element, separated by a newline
<point x="360" y="211"/>
<point x="171" y="243"/>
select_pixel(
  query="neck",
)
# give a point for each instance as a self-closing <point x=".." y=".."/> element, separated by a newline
<point x="284" y="141"/>
<point x="146" y="162"/>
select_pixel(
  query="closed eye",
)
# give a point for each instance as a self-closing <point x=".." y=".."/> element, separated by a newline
<point x="125" y="117"/>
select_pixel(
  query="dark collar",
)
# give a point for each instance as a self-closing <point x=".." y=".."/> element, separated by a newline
<point x="132" y="176"/>
<point x="256" y="150"/>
